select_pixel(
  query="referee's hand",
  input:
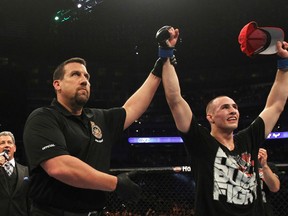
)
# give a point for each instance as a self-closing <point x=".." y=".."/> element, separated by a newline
<point x="127" y="189"/>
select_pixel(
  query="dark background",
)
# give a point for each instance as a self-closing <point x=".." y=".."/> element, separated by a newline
<point x="210" y="62"/>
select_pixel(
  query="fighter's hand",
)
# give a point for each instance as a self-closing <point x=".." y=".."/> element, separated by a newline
<point x="167" y="36"/>
<point x="282" y="48"/>
<point x="262" y="157"/>
<point x="174" y="34"/>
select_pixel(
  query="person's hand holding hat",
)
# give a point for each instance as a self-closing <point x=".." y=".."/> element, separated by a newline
<point x="282" y="48"/>
<point x="256" y="40"/>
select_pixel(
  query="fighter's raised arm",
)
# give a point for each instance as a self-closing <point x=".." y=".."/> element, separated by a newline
<point x="137" y="104"/>
<point x="255" y="40"/>
<point x="167" y="38"/>
<point x="278" y="95"/>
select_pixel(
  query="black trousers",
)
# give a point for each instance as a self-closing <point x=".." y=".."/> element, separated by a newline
<point x="39" y="210"/>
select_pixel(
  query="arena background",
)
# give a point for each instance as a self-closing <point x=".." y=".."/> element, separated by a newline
<point x="117" y="38"/>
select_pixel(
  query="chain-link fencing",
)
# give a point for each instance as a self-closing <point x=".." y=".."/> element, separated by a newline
<point x="169" y="191"/>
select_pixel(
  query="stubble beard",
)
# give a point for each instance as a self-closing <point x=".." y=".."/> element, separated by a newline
<point x="81" y="99"/>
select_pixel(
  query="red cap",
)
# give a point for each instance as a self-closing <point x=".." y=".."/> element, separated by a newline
<point x="259" y="40"/>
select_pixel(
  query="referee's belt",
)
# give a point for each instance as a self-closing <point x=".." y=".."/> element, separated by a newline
<point x="61" y="212"/>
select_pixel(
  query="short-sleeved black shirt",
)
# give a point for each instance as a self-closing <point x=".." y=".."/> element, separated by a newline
<point x="53" y="131"/>
<point x="225" y="180"/>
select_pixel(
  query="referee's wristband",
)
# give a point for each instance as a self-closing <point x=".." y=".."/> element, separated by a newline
<point x="282" y="64"/>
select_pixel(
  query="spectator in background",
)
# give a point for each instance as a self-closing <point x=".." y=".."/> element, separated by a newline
<point x="269" y="180"/>
<point x="13" y="179"/>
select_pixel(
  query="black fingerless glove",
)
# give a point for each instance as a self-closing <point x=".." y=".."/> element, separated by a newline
<point x="127" y="189"/>
<point x="157" y="69"/>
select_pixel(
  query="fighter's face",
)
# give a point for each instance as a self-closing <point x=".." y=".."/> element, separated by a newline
<point x="75" y="85"/>
<point x="224" y="113"/>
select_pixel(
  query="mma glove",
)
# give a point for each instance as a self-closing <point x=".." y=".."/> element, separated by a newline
<point x="162" y="37"/>
<point x="164" y="51"/>
<point x="127" y="189"/>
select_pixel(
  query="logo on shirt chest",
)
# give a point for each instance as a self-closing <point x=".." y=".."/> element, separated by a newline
<point x="97" y="133"/>
<point x="234" y="178"/>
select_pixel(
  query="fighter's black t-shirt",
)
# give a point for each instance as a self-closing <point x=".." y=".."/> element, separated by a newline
<point x="225" y="180"/>
<point x="53" y="131"/>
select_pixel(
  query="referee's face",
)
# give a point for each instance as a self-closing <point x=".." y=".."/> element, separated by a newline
<point x="74" y="88"/>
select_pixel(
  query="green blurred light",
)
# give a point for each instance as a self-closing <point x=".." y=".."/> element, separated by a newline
<point x="62" y="15"/>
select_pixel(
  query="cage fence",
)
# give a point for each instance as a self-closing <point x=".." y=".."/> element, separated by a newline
<point x="169" y="191"/>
